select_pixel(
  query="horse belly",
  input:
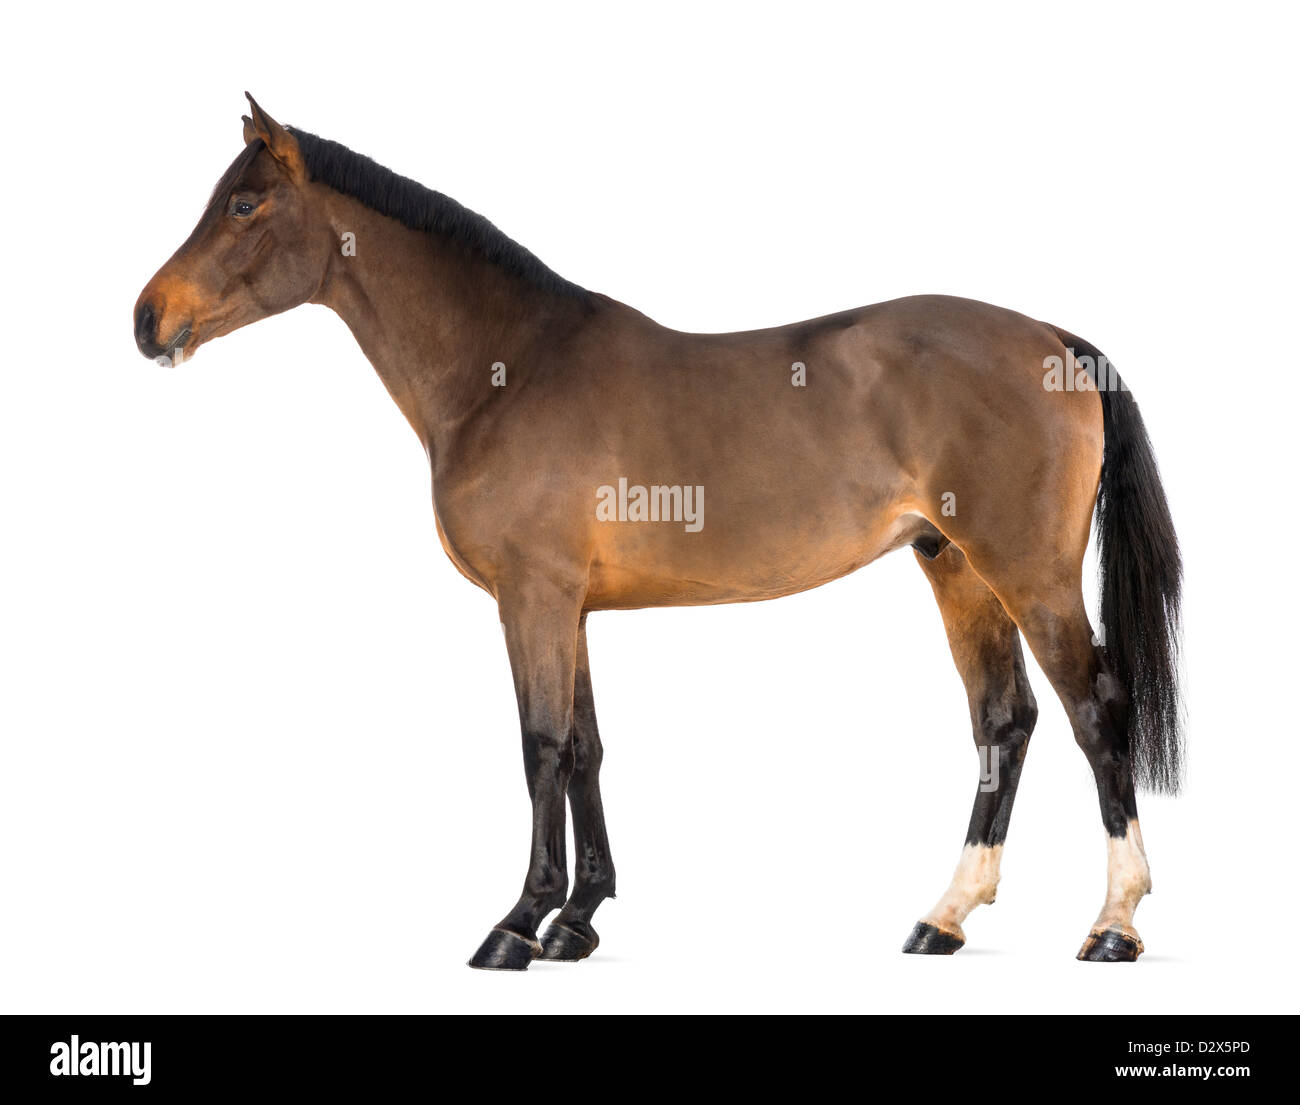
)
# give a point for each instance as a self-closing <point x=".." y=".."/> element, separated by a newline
<point x="740" y="562"/>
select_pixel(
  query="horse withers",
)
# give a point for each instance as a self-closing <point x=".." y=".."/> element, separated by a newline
<point x="586" y="458"/>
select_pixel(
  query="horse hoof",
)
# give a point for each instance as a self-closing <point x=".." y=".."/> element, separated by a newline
<point x="505" y="951"/>
<point x="926" y="939"/>
<point x="1110" y="946"/>
<point x="569" y="941"/>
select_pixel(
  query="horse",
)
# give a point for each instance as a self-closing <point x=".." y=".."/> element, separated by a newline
<point x="572" y="440"/>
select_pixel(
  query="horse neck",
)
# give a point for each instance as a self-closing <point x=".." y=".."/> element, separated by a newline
<point x="433" y="317"/>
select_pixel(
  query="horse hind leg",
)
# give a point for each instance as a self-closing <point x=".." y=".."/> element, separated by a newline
<point x="986" y="650"/>
<point x="1051" y="614"/>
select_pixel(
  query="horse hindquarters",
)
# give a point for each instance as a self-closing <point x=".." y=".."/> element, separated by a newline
<point x="1120" y="695"/>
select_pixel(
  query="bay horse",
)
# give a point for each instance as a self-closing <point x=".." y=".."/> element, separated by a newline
<point x="980" y="437"/>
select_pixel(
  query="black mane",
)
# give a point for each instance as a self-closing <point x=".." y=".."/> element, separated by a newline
<point x="421" y="208"/>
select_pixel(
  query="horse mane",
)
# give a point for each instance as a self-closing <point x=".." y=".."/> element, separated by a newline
<point x="420" y="208"/>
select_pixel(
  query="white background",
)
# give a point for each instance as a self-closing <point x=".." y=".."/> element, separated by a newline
<point x="259" y="746"/>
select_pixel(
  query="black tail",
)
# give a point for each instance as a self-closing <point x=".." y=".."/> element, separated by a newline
<point x="1141" y="581"/>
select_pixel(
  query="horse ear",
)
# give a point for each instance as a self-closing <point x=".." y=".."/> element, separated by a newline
<point x="250" y="131"/>
<point x="282" y="144"/>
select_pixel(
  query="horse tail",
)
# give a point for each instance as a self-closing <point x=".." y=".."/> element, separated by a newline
<point x="1141" y="580"/>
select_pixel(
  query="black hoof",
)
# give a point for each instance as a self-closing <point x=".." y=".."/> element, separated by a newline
<point x="926" y="939"/>
<point x="1110" y="946"/>
<point x="505" y="951"/>
<point x="569" y="941"/>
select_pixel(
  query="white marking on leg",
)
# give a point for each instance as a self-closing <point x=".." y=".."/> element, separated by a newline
<point x="1128" y="878"/>
<point x="975" y="882"/>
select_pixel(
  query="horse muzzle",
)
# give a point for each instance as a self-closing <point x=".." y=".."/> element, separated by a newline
<point x="147" y="337"/>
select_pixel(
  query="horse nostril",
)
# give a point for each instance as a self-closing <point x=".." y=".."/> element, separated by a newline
<point x="145" y="324"/>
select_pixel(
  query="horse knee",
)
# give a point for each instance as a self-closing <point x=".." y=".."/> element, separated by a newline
<point x="548" y="752"/>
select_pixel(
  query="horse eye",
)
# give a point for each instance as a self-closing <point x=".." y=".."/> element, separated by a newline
<point x="244" y="208"/>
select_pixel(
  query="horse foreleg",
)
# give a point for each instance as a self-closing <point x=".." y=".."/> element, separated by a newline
<point x="570" y="936"/>
<point x="541" y="627"/>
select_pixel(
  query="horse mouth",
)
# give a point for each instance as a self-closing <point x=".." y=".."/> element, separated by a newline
<point x="174" y="354"/>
